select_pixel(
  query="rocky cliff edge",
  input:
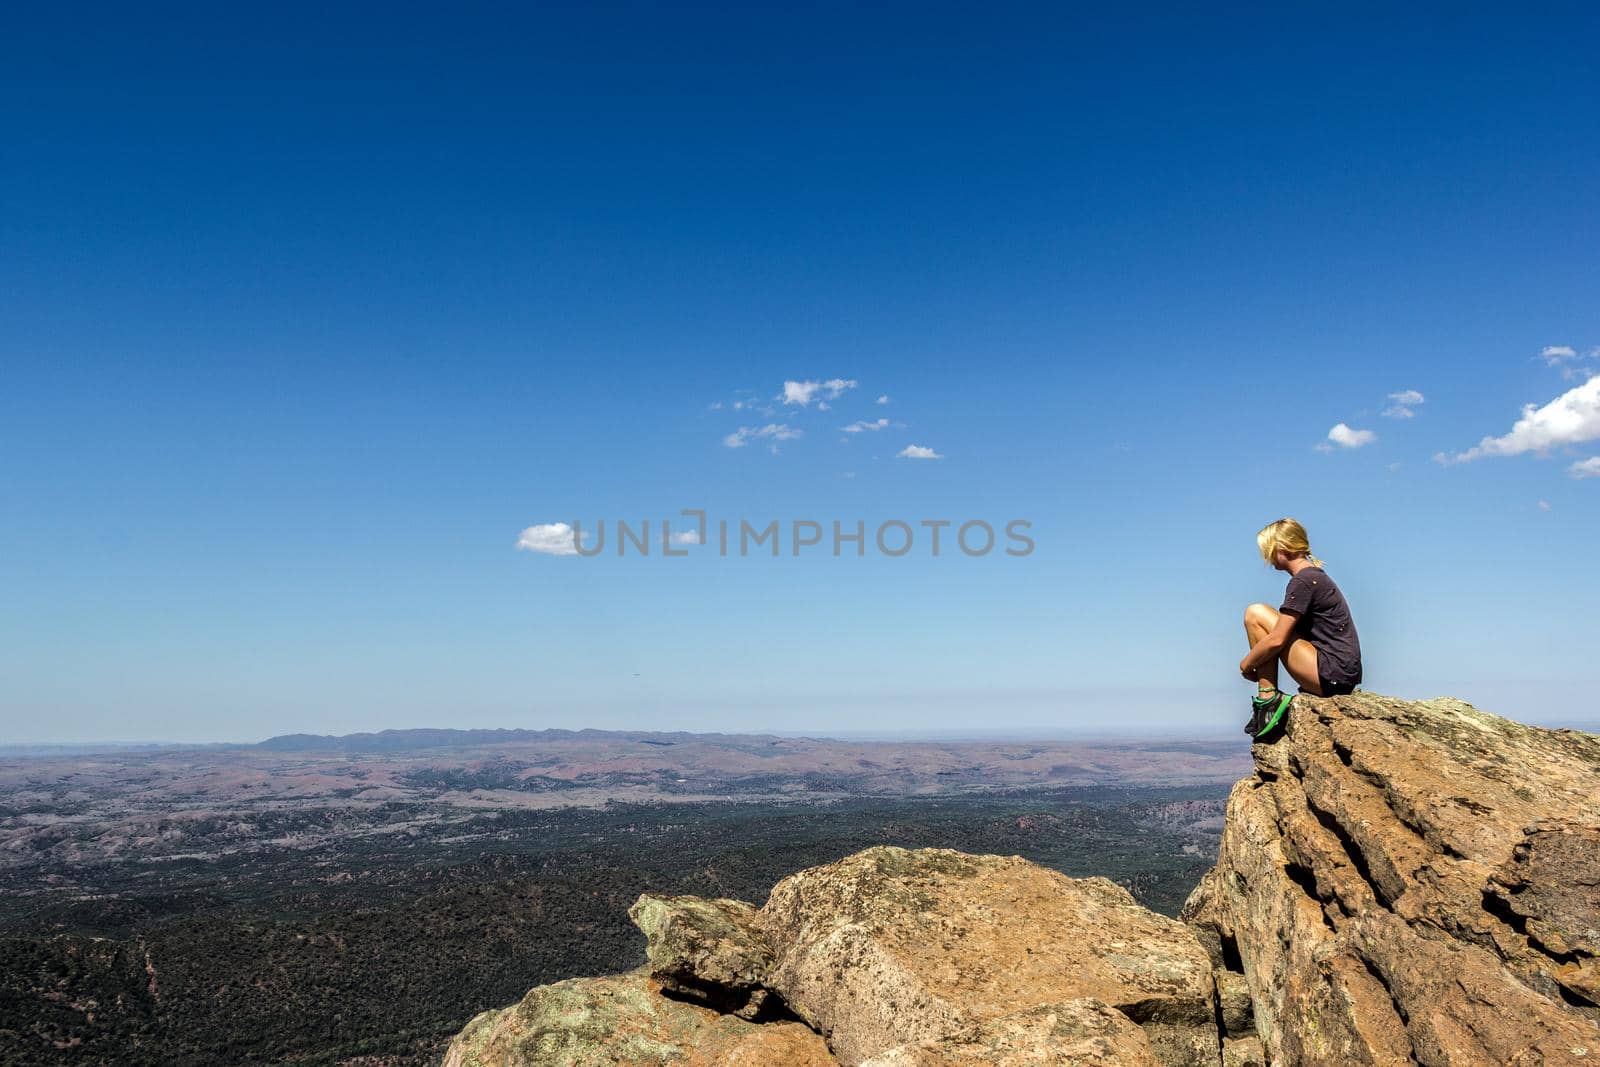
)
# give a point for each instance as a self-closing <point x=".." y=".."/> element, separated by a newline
<point x="1398" y="882"/>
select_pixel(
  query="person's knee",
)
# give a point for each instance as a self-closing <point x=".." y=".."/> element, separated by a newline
<point x="1260" y="614"/>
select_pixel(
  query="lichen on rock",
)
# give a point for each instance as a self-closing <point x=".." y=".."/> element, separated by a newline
<point x="1073" y="1033"/>
<point x="624" y="1020"/>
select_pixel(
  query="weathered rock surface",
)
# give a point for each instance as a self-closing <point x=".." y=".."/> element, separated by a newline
<point x="706" y="950"/>
<point x="893" y="957"/>
<point x="625" y="1019"/>
<point x="1073" y="1033"/>
<point x="1243" y="1052"/>
<point x="1235" y="1011"/>
<point x="1413" y="882"/>
<point x="893" y="947"/>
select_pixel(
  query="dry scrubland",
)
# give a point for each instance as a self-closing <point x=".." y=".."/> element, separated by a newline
<point x="358" y="899"/>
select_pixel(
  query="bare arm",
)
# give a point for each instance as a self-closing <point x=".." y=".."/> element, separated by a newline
<point x="1269" y="647"/>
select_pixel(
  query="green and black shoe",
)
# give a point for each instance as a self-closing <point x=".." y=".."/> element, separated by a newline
<point x="1266" y="712"/>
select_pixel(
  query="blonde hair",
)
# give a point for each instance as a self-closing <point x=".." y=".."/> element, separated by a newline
<point x="1286" y="536"/>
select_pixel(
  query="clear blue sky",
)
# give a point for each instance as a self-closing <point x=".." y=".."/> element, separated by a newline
<point x="305" y="314"/>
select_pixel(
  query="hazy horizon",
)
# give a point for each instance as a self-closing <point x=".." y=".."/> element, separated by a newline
<point x="1209" y="728"/>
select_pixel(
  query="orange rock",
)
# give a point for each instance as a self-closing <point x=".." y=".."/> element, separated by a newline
<point x="893" y="947"/>
<point x="1413" y="882"/>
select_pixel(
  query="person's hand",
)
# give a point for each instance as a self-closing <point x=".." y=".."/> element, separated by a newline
<point x="1250" y="673"/>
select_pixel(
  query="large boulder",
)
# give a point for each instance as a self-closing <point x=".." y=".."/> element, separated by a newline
<point x="626" y="1020"/>
<point x="1413" y="882"/>
<point x="893" y="947"/>
<point x="895" y="958"/>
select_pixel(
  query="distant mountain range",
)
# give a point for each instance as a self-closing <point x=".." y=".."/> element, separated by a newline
<point x="426" y="739"/>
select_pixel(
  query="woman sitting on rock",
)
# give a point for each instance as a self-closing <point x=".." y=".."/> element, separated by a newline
<point x="1312" y="632"/>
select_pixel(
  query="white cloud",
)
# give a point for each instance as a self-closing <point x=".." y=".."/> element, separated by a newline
<point x="1544" y="505"/>
<point x="1569" y="419"/>
<point x="918" y="452"/>
<point x="1403" y="403"/>
<point x="549" y="539"/>
<point x="803" y="393"/>
<point x="884" y="399"/>
<point x="863" y="426"/>
<point x="686" y="537"/>
<point x="1566" y="357"/>
<point x="1586" y="468"/>
<point x="771" y="431"/>
<point x="1345" y="437"/>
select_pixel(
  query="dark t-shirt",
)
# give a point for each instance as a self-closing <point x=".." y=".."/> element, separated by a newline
<point x="1323" y="618"/>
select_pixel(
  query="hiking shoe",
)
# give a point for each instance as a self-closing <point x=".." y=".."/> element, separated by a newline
<point x="1260" y="708"/>
<point x="1257" y="716"/>
<point x="1267" y="712"/>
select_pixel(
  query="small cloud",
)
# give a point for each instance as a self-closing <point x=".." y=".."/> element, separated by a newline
<point x="716" y="405"/>
<point x="1567" y="358"/>
<point x="686" y="537"/>
<point x="1394" y="466"/>
<point x="1403" y="404"/>
<point x="884" y="399"/>
<point x="1586" y="468"/>
<point x="1322" y="446"/>
<point x="802" y="393"/>
<point x="548" y="539"/>
<point x="1345" y="437"/>
<point x="863" y="426"/>
<point x="1544" y="505"/>
<point x="1571" y="418"/>
<point x="918" y="452"/>
<point x="770" y="432"/>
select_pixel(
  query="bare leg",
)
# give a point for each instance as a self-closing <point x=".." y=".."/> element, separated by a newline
<point x="1300" y="657"/>
<point x="1259" y="619"/>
